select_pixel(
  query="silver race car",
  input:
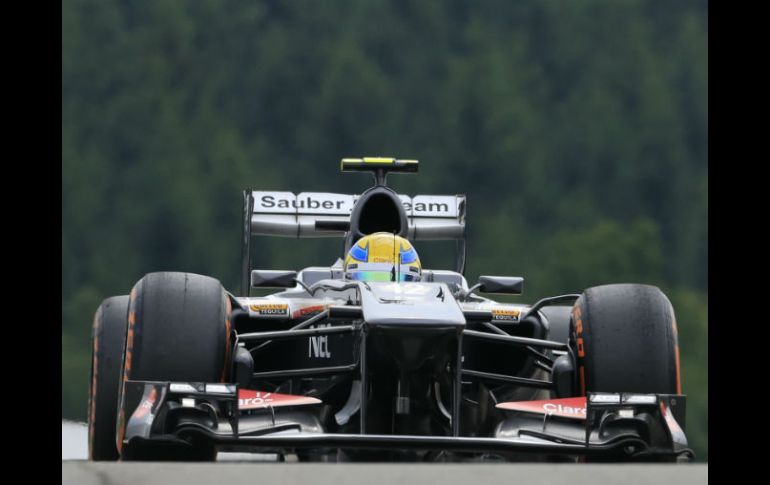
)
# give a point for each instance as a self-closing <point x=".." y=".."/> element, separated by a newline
<point x="376" y="358"/>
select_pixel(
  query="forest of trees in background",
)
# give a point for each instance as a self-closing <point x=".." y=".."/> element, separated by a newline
<point x="578" y="131"/>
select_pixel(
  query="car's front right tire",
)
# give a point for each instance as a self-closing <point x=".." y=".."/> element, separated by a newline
<point x="108" y="341"/>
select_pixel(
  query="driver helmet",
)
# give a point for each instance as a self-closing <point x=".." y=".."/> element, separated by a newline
<point x="382" y="256"/>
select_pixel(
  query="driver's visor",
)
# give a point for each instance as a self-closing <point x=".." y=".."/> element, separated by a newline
<point x="382" y="272"/>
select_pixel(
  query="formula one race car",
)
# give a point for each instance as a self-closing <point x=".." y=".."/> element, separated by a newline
<point x="376" y="358"/>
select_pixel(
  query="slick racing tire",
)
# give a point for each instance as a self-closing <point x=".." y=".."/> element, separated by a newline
<point x="108" y="340"/>
<point x="625" y="340"/>
<point x="178" y="330"/>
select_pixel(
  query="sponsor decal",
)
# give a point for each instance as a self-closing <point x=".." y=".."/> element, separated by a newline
<point x="270" y="309"/>
<point x="605" y="398"/>
<point x="573" y="407"/>
<point x="220" y="388"/>
<point x="431" y="206"/>
<point x="303" y="203"/>
<point x="318" y="347"/>
<point x="506" y="314"/>
<point x="183" y="387"/>
<point x="428" y="207"/>
<point x="306" y="202"/>
<point x="342" y="204"/>
<point x="250" y="399"/>
<point x="308" y="311"/>
<point x="146" y="406"/>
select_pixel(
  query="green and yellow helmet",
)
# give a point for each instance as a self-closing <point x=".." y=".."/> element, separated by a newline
<point x="382" y="257"/>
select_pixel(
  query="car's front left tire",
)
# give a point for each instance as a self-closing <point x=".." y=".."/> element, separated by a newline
<point x="178" y="330"/>
<point x="625" y="340"/>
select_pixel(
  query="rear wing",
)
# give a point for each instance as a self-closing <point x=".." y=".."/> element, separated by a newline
<point x="285" y="214"/>
<point x="430" y="217"/>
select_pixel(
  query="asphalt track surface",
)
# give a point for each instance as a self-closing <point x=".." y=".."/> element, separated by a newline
<point x="85" y="473"/>
<point x="232" y="469"/>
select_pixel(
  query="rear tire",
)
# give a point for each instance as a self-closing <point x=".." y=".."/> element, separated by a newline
<point x="178" y="330"/>
<point x="625" y="340"/>
<point x="108" y="341"/>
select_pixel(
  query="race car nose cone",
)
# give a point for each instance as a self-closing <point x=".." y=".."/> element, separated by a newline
<point x="410" y="304"/>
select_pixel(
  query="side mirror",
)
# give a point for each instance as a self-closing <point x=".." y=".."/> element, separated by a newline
<point x="511" y="285"/>
<point x="263" y="278"/>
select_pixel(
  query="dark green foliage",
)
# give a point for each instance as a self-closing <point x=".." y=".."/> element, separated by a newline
<point x="577" y="129"/>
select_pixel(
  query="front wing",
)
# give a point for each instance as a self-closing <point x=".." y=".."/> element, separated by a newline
<point x="617" y="427"/>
